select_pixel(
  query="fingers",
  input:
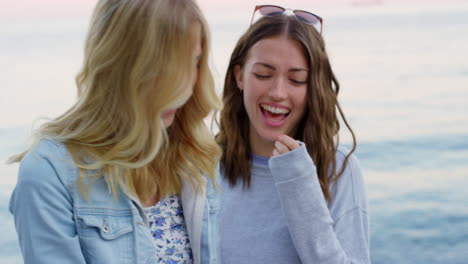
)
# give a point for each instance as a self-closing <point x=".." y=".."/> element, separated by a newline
<point x="288" y="141"/>
<point x="275" y="152"/>
<point x="284" y="144"/>
<point x="280" y="147"/>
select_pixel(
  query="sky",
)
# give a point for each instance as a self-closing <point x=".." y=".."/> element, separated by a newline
<point x="32" y="27"/>
<point x="30" y="9"/>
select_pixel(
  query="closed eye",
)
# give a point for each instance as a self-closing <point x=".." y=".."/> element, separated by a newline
<point x="298" y="82"/>
<point x="262" y="76"/>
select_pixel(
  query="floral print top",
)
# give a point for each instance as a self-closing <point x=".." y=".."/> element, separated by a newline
<point x="167" y="226"/>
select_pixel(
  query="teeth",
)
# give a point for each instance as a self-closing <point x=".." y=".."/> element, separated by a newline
<point x="275" y="110"/>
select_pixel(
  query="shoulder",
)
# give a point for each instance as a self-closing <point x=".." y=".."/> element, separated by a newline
<point x="46" y="161"/>
<point x="47" y="149"/>
<point x="349" y="191"/>
<point x="43" y="179"/>
<point x="341" y="154"/>
<point x="352" y="171"/>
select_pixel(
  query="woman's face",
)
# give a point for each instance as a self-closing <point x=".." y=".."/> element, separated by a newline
<point x="274" y="85"/>
<point x="169" y="115"/>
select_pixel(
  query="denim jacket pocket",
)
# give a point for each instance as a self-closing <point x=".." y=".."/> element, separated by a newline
<point x="106" y="238"/>
<point x="108" y="227"/>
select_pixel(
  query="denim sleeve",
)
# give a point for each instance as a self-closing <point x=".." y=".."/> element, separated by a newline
<point x="43" y="214"/>
<point x="210" y="233"/>
<point x="317" y="236"/>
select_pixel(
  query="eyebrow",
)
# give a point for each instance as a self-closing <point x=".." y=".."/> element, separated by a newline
<point x="266" y="65"/>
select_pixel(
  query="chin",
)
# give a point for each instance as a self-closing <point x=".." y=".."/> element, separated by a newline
<point x="270" y="135"/>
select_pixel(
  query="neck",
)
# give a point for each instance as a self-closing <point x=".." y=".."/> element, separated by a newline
<point x="151" y="201"/>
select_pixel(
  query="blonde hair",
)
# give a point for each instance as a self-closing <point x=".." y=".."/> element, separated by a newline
<point x="138" y="59"/>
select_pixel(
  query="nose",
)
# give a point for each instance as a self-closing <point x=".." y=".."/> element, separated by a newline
<point x="278" y="89"/>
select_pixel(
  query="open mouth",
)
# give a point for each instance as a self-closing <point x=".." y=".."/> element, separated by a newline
<point x="274" y="113"/>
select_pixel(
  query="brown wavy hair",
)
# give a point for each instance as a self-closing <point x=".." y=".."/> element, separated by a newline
<point x="318" y="128"/>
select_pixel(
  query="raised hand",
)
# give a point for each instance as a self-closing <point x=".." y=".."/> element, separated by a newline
<point x="284" y="144"/>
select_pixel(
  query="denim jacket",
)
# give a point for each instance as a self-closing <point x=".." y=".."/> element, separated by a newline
<point x="55" y="224"/>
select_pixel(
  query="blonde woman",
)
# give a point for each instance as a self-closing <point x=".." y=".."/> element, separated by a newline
<point x="126" y="174"/>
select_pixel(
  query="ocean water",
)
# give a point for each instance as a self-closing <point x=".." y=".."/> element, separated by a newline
<point x="404" y="87"/>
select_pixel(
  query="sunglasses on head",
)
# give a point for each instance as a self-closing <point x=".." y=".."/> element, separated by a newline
<point x="303" y="16"/>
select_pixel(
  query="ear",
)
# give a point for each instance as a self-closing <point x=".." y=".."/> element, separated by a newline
<point x="238" y="75"/>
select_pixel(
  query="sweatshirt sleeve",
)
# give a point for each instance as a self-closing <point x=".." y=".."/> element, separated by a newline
<point x="317" y="236"/>
<point x="43" y="216"/>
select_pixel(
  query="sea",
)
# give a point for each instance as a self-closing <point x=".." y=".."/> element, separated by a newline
<point x="404" y="88"/>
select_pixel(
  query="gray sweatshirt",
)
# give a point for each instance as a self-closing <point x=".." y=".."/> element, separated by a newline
<point x="284" y="217"/>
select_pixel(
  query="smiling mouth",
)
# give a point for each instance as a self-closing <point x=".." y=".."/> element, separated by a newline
<point x="273" y="113"/>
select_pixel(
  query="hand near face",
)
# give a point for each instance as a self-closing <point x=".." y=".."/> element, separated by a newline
<point x="284" y="144"/>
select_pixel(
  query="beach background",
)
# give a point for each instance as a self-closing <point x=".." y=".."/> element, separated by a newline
<point x="403" y="70"/>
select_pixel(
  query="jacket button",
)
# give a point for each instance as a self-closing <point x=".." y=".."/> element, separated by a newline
<point x="105" y="229"/>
